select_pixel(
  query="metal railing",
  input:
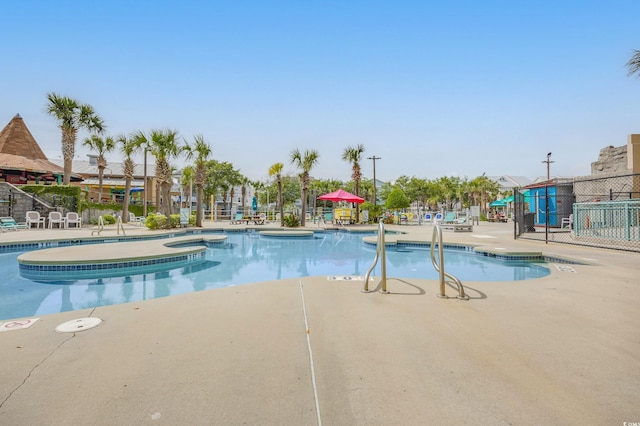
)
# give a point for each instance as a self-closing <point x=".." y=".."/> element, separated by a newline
<point x="436" y="239"/>
<point x="119" y="226"/>
<point x="608" y="220"/>
<point x="381" y="253"/>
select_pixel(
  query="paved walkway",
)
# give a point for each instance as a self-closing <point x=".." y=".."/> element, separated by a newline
<point x="557" y="350"/>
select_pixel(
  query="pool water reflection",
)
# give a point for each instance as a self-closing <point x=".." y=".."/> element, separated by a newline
<point x="246" y="258"/>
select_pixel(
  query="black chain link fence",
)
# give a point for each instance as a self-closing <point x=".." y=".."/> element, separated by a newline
<point x="598" y="212"/>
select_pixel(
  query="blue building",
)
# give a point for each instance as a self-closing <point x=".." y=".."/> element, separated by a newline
<point x="557" y="194"/>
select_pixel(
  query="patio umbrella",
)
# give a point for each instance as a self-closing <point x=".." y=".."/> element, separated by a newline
<point x="341" y="195"/>
<point x="136" y="189"/>
<point x="498" y="203"/>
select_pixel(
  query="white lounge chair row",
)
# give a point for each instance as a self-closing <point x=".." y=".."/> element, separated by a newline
<point x="71" y="219"/>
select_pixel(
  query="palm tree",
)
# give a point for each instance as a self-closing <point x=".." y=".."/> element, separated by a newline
<point x="164" y="146"/>
<point x="233" y="178"/>
<point x="305" y="162"/>
<point x="634" y="64"/>
<point x="128" y="147"/>
<point x="101" y="146"/>
<point x="353" y="155"/>
<point x="276" y="170"/>
<point x="72" y="117"/>
<point x="186" y="182"/>
<point x="244" y="181"/>
<point x="201" y="150"/>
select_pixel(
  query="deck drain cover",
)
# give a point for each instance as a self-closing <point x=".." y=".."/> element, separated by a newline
<point x="80" y="324"/>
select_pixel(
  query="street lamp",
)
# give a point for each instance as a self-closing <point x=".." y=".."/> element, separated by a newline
<point x="144" y="193"/>
<point x="374" y="158"/>
<point x="546" y="200"/>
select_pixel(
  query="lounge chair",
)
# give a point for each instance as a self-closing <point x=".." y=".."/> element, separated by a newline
<point x="73" y="218"/>
<point x="9" y="223"/>
<point x="136" y="220"/>
<point x="450" y="217"/>
<point x="237" y="220"/>
<point x="56" y="217"/>
<point x="437" y="218"/>
<point x="33" y="217"/>
<point x="428" y="217"/>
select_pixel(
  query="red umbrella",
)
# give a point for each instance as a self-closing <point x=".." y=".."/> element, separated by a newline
<point x="341" y="195"/>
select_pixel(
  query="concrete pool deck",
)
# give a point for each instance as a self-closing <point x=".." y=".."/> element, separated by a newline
<point x="562" y="349"/>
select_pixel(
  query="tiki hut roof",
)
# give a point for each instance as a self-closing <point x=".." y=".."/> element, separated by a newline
<point x="20" y="151"/>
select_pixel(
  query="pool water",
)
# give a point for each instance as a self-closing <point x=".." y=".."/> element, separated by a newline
<point x="246" y="258"/>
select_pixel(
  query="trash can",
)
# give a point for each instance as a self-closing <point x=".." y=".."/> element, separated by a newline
<point x="528" y="222"/>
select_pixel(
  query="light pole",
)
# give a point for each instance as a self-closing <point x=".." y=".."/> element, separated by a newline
<point x="144" y="193"/>
<point x="374" y="158"/>
<point x="546" y="200"/>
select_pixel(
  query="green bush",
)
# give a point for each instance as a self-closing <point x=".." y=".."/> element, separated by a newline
<point x="374" y="211"/>
<point x="291" y="221"/>
<point x="159" y="221"/>
<point x="108" y="219"/>
<point x="156" y="221"/>
<point x="397" y="200"/>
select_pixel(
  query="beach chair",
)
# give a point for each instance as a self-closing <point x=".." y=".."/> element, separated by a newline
<point x="437" y="218"/>
<point x="567" y="222"/>
<point x="73" y="218"/>
<point x="237" y="220"/>
<point x="136" y="220"/>
<point x="10" y="224"/>
<point x="34" y="218"/>
<point x="450" y="217"/>
<point x="56" y="217"/>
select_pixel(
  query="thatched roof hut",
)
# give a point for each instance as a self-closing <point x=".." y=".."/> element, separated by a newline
<point x="22" y="159"/>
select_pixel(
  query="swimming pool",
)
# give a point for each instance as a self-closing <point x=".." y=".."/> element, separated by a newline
<point x="246" y="257"/>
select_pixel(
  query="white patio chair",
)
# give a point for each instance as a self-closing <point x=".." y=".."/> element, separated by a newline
<point x="567" y="222"/>
<point x="73" y="218"/>
<point x="56" y="217"/>
<point x="33" y="217"/>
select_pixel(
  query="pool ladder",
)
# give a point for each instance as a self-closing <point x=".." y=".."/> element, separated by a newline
<point x="439" y="266"/>
<point x="119" y="226"/>
<point x="381" y="254"/>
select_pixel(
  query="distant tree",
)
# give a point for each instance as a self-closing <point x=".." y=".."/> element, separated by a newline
<point x="200" y="151"/>
<point x="305" y="162"/>
<point x="276" y="170"/>
<point x="353" y="156"/>
<point x="101" y="146"/>
<point x="219" y="178"/>
<point x="72" y="117"/>
<point x="634" y="64"/>
<point x="164" y="146"/>
<point x="397" y="200"/>
<point x="128" y="147"/>
<point x="186" y="182"/>
<point x="244" y="182"/>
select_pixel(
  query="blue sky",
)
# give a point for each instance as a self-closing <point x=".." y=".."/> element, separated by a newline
<point x="433" y="88"/>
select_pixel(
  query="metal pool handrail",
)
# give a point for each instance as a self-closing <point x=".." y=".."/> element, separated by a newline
<point x="437" y="238"/>
<point x="100" y="225"/>
<point x="119" y="226"/>
<point x="381" y="253"/>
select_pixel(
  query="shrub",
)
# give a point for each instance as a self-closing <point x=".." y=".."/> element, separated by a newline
<point x="397" y="200"/>
<point x="156" y="221"/>
<point x="108" y="219"/>
<point x="291" y="221"/>
<point x="374" y="211"/>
